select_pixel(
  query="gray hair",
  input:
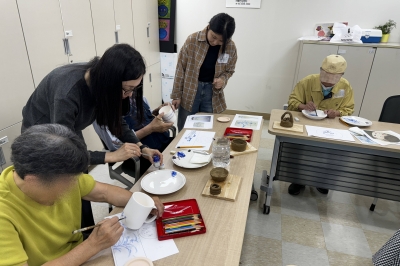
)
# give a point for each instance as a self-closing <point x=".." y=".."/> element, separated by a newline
<point x="49" y="151"/>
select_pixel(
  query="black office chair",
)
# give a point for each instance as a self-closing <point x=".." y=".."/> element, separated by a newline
<point x="389" y="114"/>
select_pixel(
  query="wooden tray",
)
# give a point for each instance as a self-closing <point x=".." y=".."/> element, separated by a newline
<point x="249" y="149"/>
<point x="295" y="128"/>
<point x="229" y="188"/>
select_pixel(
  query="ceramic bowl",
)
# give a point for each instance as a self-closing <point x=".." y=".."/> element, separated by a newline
<point x="219" y="174"/>
<point x="239" y="145"/>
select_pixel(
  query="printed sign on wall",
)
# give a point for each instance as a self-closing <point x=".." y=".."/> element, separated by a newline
<point x="244" y="3"/>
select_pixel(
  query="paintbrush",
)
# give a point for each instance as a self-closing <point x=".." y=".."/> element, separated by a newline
<point x="91" y="227"/>
<point x="158" y="118"/>
<point x="315" y="109"/>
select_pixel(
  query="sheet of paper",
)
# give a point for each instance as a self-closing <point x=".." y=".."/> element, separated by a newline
<point x="364" y="139"/>
<point x="141" y="243"/>
<point x="196" y="138"/>
<point x="247" y="121"/>
<point x="199" y="121"/>
<point x="200" y="158"/>
<point x="329" y="133"/>
<point x="383" y="137"/>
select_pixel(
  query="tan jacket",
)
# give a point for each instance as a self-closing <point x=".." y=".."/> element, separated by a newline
<point x="191" y="57"/>
<point x="309" y="89"/>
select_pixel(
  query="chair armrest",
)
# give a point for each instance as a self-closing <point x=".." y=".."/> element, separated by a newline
<point x="173" y="130"/>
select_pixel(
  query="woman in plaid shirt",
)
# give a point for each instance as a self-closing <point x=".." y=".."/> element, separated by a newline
<point x="205" y="63"/>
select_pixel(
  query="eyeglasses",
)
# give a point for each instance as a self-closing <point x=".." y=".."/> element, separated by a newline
<point x="132" y="90"/>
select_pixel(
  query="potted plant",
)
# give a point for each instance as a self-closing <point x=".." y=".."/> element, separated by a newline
<point x="386" y="29"/>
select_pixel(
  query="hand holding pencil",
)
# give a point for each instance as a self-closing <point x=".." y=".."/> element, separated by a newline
<point x="106" y="233"/>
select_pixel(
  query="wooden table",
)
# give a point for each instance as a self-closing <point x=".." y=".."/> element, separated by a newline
<point x="225" y="220"/>
<point x="354" y="167"/>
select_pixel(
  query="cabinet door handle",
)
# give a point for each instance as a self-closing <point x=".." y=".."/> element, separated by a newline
<point x="150" y="77"/>
<point x="65" y="45"/>
<point x="148" y="29"/>
<point x="68" y="48"/>
<point x="116" y="37"/>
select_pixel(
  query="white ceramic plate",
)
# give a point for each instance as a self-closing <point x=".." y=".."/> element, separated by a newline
<point x="163" y="182"/>
<point x="184" y="161"/>
<point x="311" y="114"/>
<point x="356" y="121"/>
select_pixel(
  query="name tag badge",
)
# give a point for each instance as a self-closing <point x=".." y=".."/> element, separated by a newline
<point x="223" y="59"/>
<point x="339" y="94"/>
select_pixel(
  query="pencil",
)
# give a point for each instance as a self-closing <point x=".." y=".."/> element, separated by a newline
<point x="183" y="220"/>
<point x="91" y="227"/>
<point x="177" y="225"/>
<point x="180" y="220"/>
<point x="183" y="229"/>
<point x="182" y="216"/>
<point x="184" y="147"/>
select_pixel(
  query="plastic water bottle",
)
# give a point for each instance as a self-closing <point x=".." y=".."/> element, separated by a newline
<point x="221" y="152"/>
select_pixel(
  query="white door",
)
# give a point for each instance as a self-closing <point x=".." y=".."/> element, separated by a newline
<point x="43" y="31"/>
<point x="153" y="32"/>
<point x="15" y="74"/>
<point x="154" y="74"/>
<point x="77" y="19"/>
<point x="359" y="63"/>
<point x="124" y="21"/>
<point x="383" y="82"/>
<point x="103" y="24"/>
<point x="311" y="59"/>
<point x="11" y="133"/>
<point x="140" y="21"/>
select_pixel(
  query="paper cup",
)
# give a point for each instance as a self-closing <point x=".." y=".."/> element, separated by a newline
<point x="169" y="114"/>
<point x="137" y="210"/>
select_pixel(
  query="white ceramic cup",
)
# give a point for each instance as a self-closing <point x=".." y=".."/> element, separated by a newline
<point x="137" y="210"/>
<point x="169" y="114"/>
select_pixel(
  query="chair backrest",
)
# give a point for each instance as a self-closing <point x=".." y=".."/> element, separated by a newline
<point x="390" y="110"/>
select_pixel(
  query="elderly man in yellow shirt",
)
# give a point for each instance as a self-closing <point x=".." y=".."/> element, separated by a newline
<point x="327" y="91"/>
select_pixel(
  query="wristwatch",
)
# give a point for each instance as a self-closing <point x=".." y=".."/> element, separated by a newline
<point x="143" y="146"/>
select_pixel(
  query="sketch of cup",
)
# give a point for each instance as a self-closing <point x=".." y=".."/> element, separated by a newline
<point x="169" y="114"/>
<point x="137" y="210"/>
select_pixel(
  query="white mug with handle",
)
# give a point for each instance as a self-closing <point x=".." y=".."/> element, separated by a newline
<point x="137" y="210"/>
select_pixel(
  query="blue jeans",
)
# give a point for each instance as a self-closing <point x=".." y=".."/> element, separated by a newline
<point x="202" y="103"/>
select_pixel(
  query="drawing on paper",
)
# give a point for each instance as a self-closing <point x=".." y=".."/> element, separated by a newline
<point x="191" y="135"/>
<point x="246" y="124"/>
<point x="204" y="118"/>
<point x="198" y="124"/>
<point x="148" y="231"/>
<point x="127" y="242"/>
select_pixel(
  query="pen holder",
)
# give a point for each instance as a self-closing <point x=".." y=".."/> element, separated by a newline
<point x="287" y="121"/>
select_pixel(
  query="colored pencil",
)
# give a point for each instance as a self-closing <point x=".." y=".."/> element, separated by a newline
<point x="170" y="226"/>
<point x="91" y="227"/>
<point x="183" y="229"/>
<point x="184" y="147"/>
<point x="181" y="223"/>
<point x="180" y="220"/>
<point x="183" y="216"/>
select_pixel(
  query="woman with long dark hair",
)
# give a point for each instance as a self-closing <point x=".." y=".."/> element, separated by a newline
<point x="77" y="94"/>
<point x="206" y="61"/>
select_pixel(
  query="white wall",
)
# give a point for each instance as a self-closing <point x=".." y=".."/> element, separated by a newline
<point x="266" y="40"/>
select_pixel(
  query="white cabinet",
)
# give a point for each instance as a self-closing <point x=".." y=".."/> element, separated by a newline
<point x="152" y="85"/>
<point x="11" y="133"/>
<point x="103" y="24"/>
<point x="15" y="75"/>
<point x="123" y="21"/>
<point x="383" y="82"/>
<point x="77" y="20"/>
<point x="360" y="61"/>
<point x="146" y="30"/>
<point x="43" y="30"/>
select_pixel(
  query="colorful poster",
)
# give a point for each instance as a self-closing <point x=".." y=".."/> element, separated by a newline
<point x="164" y="29"/>
<point x="164" y="7"/>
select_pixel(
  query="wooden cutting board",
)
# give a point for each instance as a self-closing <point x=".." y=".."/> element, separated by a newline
<point x="249" y="149"/>
<point x="295" y="128"/>
<point x="229" y="188"/>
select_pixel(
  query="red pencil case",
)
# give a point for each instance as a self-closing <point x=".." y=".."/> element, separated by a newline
<point x="238" y="131"/>
<point x="177" y="209"/>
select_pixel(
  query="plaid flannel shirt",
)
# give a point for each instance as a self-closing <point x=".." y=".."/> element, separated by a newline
<point x="191" y="57"/>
